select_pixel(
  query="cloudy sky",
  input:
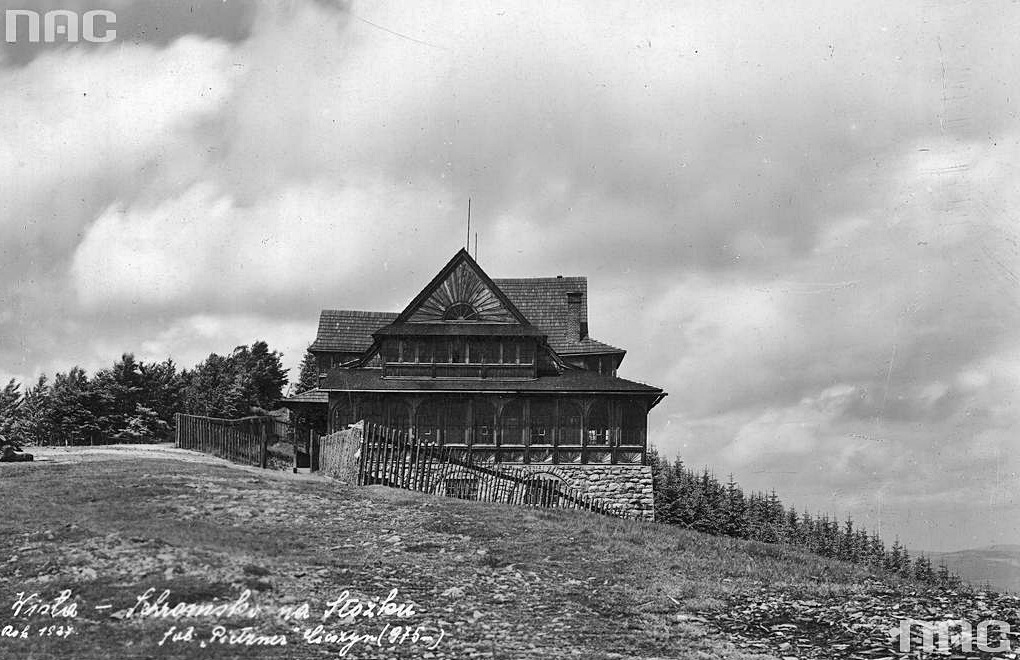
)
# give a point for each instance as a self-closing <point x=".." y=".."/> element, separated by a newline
<point x="799" y="218"/>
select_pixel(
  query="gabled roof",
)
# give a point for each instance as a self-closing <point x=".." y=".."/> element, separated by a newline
<point x="463" y="272"/>
<point x="314" y="396"/>
<point x="543" y="300"/>
<point x="348" y="331"/>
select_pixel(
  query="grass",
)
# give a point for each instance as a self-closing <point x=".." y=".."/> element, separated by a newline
<point x="501" y="581"/>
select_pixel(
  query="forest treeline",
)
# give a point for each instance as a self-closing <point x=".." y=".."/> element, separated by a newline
<point x="698" y="500"/>
<point x="135" y="401"/>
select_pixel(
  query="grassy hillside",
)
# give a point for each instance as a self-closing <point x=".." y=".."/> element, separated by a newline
<point x="499" y="582"/>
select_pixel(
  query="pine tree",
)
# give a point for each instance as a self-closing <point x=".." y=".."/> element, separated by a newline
<point x="845" y="549"/>
<point x="119" y="390"/>
<point x="876" y="550"/>
<point x="162" y="389"/>
<point x="263" y="373"/>
<point x="34" y="426"/>
<point x="232" y="386"/>
<point x="73" y="413"/>
<point x="11" y="401"/>
<point x="894" y="558"/>
<point x="943" y="577"/>
<point x="665" y="486"/>
<point x="906" y="568"/>
<point x="687" y="502"/>
<point x="735" y="513"/>
<point x="308" y="377"/>
<point x="143" y="426"/>
<point x="792" y="530"/>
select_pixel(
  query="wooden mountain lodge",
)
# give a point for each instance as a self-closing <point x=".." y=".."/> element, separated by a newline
<point x="504" y="369"/>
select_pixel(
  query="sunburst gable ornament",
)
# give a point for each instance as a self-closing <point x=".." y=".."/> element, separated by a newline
<point x="462" y="296"/>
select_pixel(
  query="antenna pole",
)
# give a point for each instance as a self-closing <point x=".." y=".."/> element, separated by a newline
<point x="468" y="246"/>
<point x="476" y="246"/>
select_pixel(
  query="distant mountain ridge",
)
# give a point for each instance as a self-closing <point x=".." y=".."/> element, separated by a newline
<point x="994" y="565"/>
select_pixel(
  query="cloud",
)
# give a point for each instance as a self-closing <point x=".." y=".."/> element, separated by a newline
<point x="301" y="245"/>
<point x="83" y="126"/>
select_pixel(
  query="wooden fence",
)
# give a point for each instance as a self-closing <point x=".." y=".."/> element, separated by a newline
<point x="391" y="458"/>
<point x="339" y="454"/>
<point x="244" y="440"/>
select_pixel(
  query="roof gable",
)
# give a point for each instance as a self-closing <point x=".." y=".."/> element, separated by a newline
<point x="462" y="292"/>
<point x="542" y="301"/>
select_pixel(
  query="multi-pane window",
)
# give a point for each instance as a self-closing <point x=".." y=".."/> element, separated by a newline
<point x="542" y="421"/>
<point x="634" y="423"/>
<point x="569" y="423"/>
<point x="483" y="421"/>
<point x="599" y="432"/>
<point x="457" y="421"/>
<point x="458" y="351"/>
<point x="511" y="424"/>
<point x="428" y="422"/>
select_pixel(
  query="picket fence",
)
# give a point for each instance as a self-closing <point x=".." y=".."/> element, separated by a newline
<point x="244" y="440"/>
<point x="371" y="454"/>
<point x="392" y="458"/>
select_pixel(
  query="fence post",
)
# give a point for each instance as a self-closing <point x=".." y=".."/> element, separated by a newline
<point x="362" y="458"/>
<point x="264" y="448"/>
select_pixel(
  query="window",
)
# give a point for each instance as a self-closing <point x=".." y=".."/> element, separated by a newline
<point x="426" y="351"/>
<point x="398" y="415"/>
<point x="427" y="422"/>
<point x="634" y="423"/>
<point x="598" y="424"/>
<point x="478" y="352"/>
<point x="569" y="423"/>
<point x="511" y="424"/>
<point x="483" y="421"/>
<point x="542" y="421"/>
<point x="456" y="422"/>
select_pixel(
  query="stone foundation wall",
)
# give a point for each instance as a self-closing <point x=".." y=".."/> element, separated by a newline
<point x="627" y="486"/>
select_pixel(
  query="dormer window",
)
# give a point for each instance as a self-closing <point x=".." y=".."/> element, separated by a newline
<point x="460" y="312"/>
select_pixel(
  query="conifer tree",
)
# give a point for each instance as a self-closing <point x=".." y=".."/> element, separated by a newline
<point x="308" y="375"/>
<point x="11" y="401"/>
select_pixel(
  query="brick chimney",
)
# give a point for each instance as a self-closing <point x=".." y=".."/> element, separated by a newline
<point x="575" y="329"/>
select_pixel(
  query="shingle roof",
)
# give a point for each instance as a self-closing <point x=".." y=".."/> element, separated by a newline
<point x="571" y="380"/>
<point x="542" y="300"/>
<point x="348" y="330"/>
<point x="310" y="396"/>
